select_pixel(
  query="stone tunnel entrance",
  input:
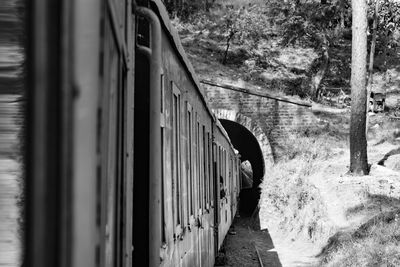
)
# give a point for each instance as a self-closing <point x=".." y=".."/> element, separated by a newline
<point x="246" y="143"/>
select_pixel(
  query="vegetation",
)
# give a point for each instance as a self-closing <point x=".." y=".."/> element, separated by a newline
<point x="375" y="243"/>
<point x="288" y="190"/>
<point x="294" y="192"/>
<point x="253" y="35"/>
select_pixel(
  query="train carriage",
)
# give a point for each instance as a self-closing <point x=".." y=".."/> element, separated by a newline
<point x="226" y="175"/>
<point x="126" y="163"/>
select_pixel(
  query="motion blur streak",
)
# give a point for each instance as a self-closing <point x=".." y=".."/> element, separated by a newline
<point x="11" y="121"/>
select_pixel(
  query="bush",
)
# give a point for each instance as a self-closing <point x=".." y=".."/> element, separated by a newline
<point x="287" y="191"/>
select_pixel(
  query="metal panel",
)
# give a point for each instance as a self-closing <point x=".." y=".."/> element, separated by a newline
<point x="85" y="79"/>
<point x="110" y="147"/>
<point x="48" y="135"/>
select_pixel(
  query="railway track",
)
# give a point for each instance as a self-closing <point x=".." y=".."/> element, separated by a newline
<point x="260" y="261"/>
<point x="249" y="246"/>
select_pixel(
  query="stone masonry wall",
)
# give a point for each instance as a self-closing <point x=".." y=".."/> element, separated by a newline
<point x="275" y="118"/>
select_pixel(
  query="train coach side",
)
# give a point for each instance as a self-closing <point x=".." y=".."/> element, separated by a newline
<point x="227" y="183"/>
<point x="187" y="231"/>
<point x="191" y="231"/>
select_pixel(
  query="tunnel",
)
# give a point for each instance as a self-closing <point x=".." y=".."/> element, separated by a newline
<point x="249" y="149"/>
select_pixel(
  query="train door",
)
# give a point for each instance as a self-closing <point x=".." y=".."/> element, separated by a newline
<point x="141" y="159"/>
<point x="147" y="229"/>
<point x="209" y="210"/>
<point x="216" y="175"/>
<point x="197" y="186"/>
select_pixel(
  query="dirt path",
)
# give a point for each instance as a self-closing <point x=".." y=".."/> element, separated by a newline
<point x="274" y="249"/>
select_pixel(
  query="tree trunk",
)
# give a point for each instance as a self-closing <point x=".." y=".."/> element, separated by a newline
<point x="358" y="141"/>
<point x="319" y="76"/>
<point x="228" y="43"/>
<point x="316" y="79"/>
<point x="371" y="61"/>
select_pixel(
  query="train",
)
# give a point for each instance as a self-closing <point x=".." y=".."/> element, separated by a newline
<point x="125" y="163"/>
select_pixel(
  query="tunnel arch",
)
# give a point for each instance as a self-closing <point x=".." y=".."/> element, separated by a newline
<point x="254" y="129"/>
<point x="253" y="145"/>
<point x="249" y="149"/>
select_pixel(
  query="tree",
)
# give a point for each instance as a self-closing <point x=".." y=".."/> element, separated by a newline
<point x="371" y="59"/>
<point x="358" y="141"/>
<point x="187" y="8"/>
<point x="314" y="24"/>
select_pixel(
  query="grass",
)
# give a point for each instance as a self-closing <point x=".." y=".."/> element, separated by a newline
<point x="374" y="243"/>
<point x="287" y="190"/>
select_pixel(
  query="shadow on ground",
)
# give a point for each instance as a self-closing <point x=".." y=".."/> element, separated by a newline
<point x="243" y="241"/>
<point x="379" y="211"/>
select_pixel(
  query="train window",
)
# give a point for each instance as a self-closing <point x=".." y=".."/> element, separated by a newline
<point x="210" y="168"/>
<point x="225" y="174"/>
<point x="163" y="236"/>
<point x="201" y="188"/>
<point x="233" y="174"/>
<point x="221" y="165"/>
<point x="228" y="174"/>
<point x="189" y="162"/>
<point x="163" y="173"/>
<point x="224" y="166"/>
<point x="198" y="164"/>
<point x="205" y="169"/>
<point x="228" y="168"/>
<point x="221" y="174"/>
<point x="210" y="175"/>
<point x="142" y="29"/>
<point x="176" y="181"/>
<point x="195" y="166"/>
<point x="162" y="92"/>
<point x="201" y="171"/>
